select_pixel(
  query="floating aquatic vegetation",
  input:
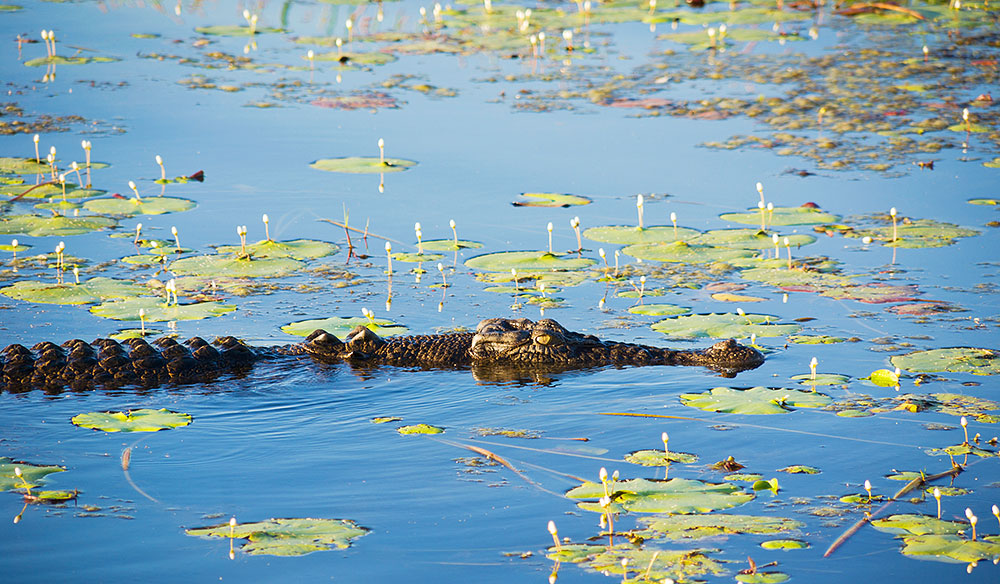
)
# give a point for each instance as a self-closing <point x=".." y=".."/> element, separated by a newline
<point x="341" y="326"/>
<point x="739" y="298"/>
<point x="755" y="400"/>
<point x="807" y="214"/>
<point x="660" y="457"/>
<point x="155" y="310"/>
<point x="748" y="238"/>
<point x="420" y="429"/>
<point x="884" y="378"/>
<point x="31" y="476"/>
<point x="723" y="325"/>
<point x="551" y="200"/>
<point x="299" y="249"/>
<point x="798" y="280"/>
<point x="142" y="420"/>
<point x="527" y="261"/>
<point x="51" y="190"/>
<point x="957" y="360"/>
<point x="88" y="292"/>
<point x="800" y="469"/>
<point x="450" y="244"/>
<point x="911" y="233"/>
<point x="714" y="524"/>
<point x="873" y="293"/>
<point x="821" y="379"/>
<point x="362" y="165"/>
<point x="628" y="234"/>
<point x="784" y="544"/>
<point x="60" y="60"/>
<point x="236" y="30"/>
<point x="658" y="309"/>
<point x="235" y="267"/>
<point x="671" y="496"/>
<point x="386" y="419"/>
<point x="682" y="251"/>
<point x="815" y="339"/>
<point x="356" y="58"/>
<point x="416" y="258"/>
<point x="658" y="565"/>
<point x="287" y="537"/>
<point x="58" y="225"/>
<point x="137" y="206"/>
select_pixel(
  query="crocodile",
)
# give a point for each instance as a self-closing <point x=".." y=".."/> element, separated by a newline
<point x="500" y="348"/>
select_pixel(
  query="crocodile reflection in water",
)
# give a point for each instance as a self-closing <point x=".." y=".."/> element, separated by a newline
<point x="499" y="349"/>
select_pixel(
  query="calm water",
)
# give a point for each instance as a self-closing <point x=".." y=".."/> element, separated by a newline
<point x="298" y="441"/>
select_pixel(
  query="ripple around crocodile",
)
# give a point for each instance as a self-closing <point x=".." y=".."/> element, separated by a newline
<point x="500" y="349"/>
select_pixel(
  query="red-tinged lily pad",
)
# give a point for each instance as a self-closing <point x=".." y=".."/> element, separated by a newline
<point x="367" y="100"/>
<point x="550" y="200"/>
<point x="923" y="308"/>
<point x="876" y="293"/>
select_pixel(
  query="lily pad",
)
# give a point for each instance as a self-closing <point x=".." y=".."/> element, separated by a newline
<point x="688" y="253"/>
<point x="420" y="429"/>
<point x="795" y="278"/>
<point x="784" y="544"/>
<point x="287" y="537"/>
<point x="362" y="165"/>
<point x="551" y="200"/>
<point x="299" y="249"/>
<point x="676" y="496"/>
<point x="90" y="291"/>
<point x="450" y="244"/>
<point x="658" y="565"/>
<point x="754" y="401"/>
<point x="234" y="267"/>
<point x="144" y="420"/>
<point x="749" y="239"/>
<point x="13" y="165"/>
<point x="50" y="496"/>
<point x="800" y="469"/>
<point x="951" y="548"/>
<point x="723" y="325"/>
<point x="146" y="206"/>
<point x="821" y="379"/>
<point x="913" y="524"/>
<point x="660" y="457"/>
<point x="341" y="326"/>
<point x="417" y="258"/>
<point x="805" y="215"/>
<point x="32" y="473"/>
<point x="155" y="310"/>
<point x="629" y="234"/>
<point x="48" y="191"/>
<point x="235" y="30"/>
<point x="526" y="261"/>
<point x="916" y="233"/>
<point x="61" y="60"/>
<point x="884" y="378"/>
<point x="659" y="309"/>
<point x="58" y="225"/>
<point x="763" y="578"/>
<point x="348" y="58"/>
<point x="713" y="525"/>
<point x="958" y="360"/>
<point x="815" y="339"/>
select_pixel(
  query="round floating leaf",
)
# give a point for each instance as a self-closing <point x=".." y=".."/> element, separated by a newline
<point x="287" y="537"/>
<point x="815" y="339"/>
<point x="916" y="233"/>
<point x="362" y="165"/>
<point x="821" y="379"/>
<point x="877" y="293"/>
<point x="914" y="524"/>
<point x="660" y="457"/>
<point x="93" y="290"/>
<point x="58" y="206"/>
<point x="233" y="267"/>
<point x="48" y="191"/>
<point x="754" y="401"/>
<point x="762" y="578"/>
<point x="450" y="244"/>
<point x="420" y="429"/>
<point x="417" y="258"/>
<point x="50" y="496"/>
<point x="60" y="60"/>
<point x="747" y="477"/>
<point x="659" y="309"/>
<point x="235" y="30"/>
<point x="341" y="326"/>
<point x="526" y="261"/>
<point x="656" y="565"/>
<point x="144" y="420"/>
<point x="799" y="279"/>
<point x="31" y="473"/>
<point x="951" y="548"/>
<point x="299" y="249"/>
<point x="138" y="333"/>
<point x="386" y="419"/>
<point x="12" y="165"/>
<point x="723" y="325"/>
<point x="551" y="200"/>
<point x="58" y="225"/>
<point x="729" y="297"/>
<point x="784" y="544"/>
<point x="348" y="58"/>
<point x="800" y="469"/>
<point x="679" y="496"/>
<point x="988" y="202"/>
<point x="627" y="234"/>
<point x="958" y="360"/>
<point x="783" y="216"/>
<point x="155" y="310"/>
<point x="713" y="525"/>
<point x="681" y="251"/>
<point x="884" y="378"/>
<point x="749" y="239"/>
<point x="146" y="206"/>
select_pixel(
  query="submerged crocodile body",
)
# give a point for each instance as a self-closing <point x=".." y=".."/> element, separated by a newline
<point x="499" y="349"/>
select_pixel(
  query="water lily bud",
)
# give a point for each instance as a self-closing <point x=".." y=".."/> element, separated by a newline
<point x="614" y="476"/>
<point x="552" y="527"/>
<point x="760" y="205"/>
<point x="787" y="242"/>
<point x="549" y="227"/>
<point x="937" y="493"/>
<point x="600" y="252"/>
<point x="968" y="513"/>
<point x="388" y="247"/>
<point x="159" y="160"/>
<point x="451" y="223"/>
<point x="638" y="201"/>
<point x="673" y="217"/>
<point x="770" y="206"/>
<point x="36" y="138"/>
<point x="264" y="218"/>
<point x="17" y="471"/>
<point x="440" y="267"/>
<point x="892" y="212"/>
<point x="603" y="474"/>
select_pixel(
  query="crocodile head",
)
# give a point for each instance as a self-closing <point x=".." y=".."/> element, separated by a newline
<point x="520" y="340"/>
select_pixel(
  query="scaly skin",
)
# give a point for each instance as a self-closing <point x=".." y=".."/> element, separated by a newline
<point x="498" y="345"/>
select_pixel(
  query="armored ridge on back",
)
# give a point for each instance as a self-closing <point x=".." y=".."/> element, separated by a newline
<point x="518" y="344"/>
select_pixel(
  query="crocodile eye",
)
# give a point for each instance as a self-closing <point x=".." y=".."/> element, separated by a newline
<point x="543" y="339"/>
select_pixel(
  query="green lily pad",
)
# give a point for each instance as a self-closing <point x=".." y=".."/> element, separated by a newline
<point x="763" y="578"/>
<point x="234" y="267"/>
<point x="681" y="251"/>
<point x="417" y="258"/>
<point x="876" y="293"/>
<point x="420" y="429"/>
<point x="235" y="30"/>
<point x="951" y="548"/>
<point x="629" y="234"/>
<point x="659" y="309"/>
<point x="746" y="477"/>
<point x="918" y="233"/>
<point x="355" y="58"/>
<point x="784" y="544"/>
<point x="14" y="165"/>
<point x="884" y="378"/>
<point x="48" y="191"/>
<point x="450" y="244"/>
<point x="90" y="291"/>
<point x="12" y="248"/>
<point x="676" y="496"/>
<point x="287" y="537"/>
<point x="61" y="60"/>
<point x="821" y="379"/>
<point x="32" y="473"/>
<point x="58" y="225"/>
<point x="962" y="450"/>
<point x="527" y="261"/>
<point x="658" y="565"/>
<point x="913" y="524"/>
<point x="988" y="202"/>
<point x="754" y="401"/>
<point x="815" y="339"/>
<point x="800" y="469"/>
<point x="51" y="496"/>
<point x="144" y="420"/>
<point x="551" y="200"/>
<point x="749" y="239"/>
<point x="723" y="325"/>
<point x="660" y="457"/>
<point x="58" y="206"/>
<point x="385" y="419"/>
<point x="762" y="485"/>
<point x="146" y="206"/>
<point x="362" y="165"/>
<point x="341" y="326"/>
<point x="783" y="216"/>
<point x="713" y="525"/>
<point x="135" y="333"/>
<point x="785" y="278"/>
<point x="155" y="311"/>
<point x="299" y="249"/>
<point x="958" y="360"/>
